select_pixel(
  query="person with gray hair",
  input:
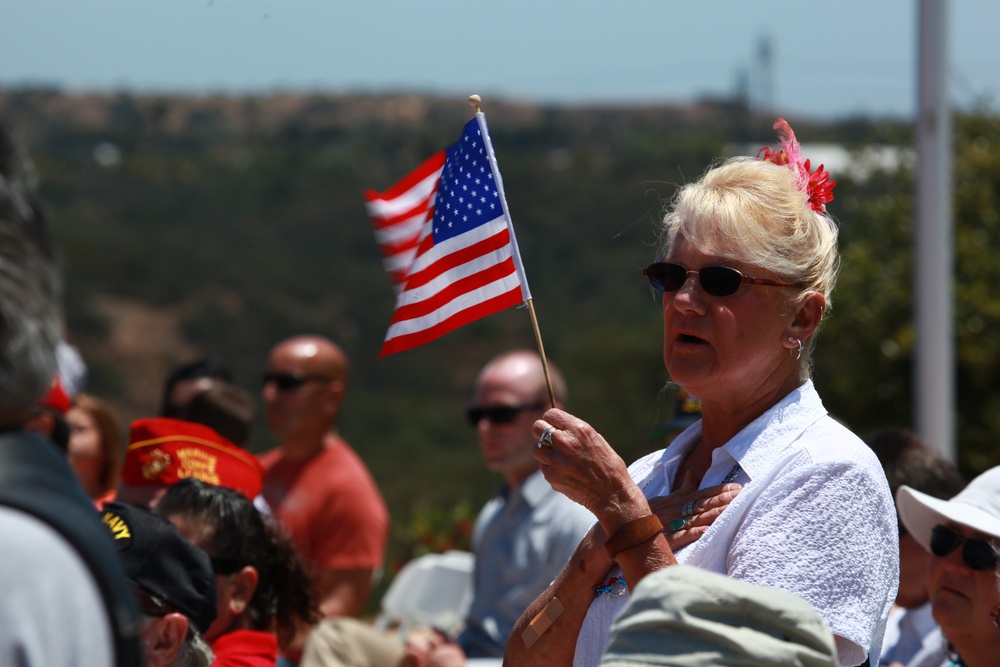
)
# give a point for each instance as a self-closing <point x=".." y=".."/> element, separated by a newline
<point x="744" y="280"/>
<point x="31" y="289"/>
<point x="65" y="600"/>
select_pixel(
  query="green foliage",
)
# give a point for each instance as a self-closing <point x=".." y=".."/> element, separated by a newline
<point x="865" y="354"/>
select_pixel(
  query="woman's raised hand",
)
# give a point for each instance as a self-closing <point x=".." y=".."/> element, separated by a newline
<point x="579" y="463"/>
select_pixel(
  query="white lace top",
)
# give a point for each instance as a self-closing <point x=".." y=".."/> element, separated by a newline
<point x="814" y="518"/>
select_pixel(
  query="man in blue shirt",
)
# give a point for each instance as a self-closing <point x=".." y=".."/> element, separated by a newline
<point x="522" y="538"/>
<point x="527" y="531"/>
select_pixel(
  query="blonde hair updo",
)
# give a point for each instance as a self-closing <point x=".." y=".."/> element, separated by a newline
<point x="752" y="211"/>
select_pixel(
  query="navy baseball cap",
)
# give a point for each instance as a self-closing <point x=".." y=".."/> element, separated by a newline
<point x="162" y="563"/>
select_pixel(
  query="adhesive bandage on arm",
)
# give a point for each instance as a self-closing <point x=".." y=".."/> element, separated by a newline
<point x="540" y="623"/>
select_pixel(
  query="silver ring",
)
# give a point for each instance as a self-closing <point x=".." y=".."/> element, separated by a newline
<point x="546" y="438"/>
<point x="688" y="509"/>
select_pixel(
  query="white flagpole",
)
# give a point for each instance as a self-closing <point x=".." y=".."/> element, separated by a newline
<point x="934" y="287"/>
<point x="475" y="100"/>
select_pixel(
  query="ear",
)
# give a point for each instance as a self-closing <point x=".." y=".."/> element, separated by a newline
<point x="167" y="635"/>
<point x="242" y="586"/>
<point x="335" y="396"/>
<point x="807" y="317"/>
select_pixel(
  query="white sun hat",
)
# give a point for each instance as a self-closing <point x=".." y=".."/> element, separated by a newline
<point x="976" y="507"/>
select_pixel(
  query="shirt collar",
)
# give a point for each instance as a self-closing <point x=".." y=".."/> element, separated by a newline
<point x="534" y="489"/>
<point x="778" y="427"/>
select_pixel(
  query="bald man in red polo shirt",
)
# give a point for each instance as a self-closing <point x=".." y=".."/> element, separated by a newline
<point x="319" y="488"/>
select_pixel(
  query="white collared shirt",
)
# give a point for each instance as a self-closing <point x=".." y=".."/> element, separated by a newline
<point x="815" y="518"/>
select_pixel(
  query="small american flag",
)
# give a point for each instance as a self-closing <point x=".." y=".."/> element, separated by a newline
<point x="447" y="242"/>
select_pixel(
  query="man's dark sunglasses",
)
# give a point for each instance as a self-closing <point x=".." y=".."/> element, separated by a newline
<point x="292" y="381"/>
<point x="500" y="414"/>
<point x="715" y="280"/>
<point x="977" y="554"/>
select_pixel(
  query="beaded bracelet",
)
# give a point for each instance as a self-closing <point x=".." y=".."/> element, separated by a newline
<point x="633" y="533"/>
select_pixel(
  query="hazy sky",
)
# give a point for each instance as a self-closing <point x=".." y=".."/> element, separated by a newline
<point x="829" y="59"/>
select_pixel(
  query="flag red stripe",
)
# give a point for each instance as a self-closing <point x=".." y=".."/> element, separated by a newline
<point x="453" y="291"/>
<point x="457" y="258"/>
<point x="493" y="305"/>
<point x="429" y="166"/>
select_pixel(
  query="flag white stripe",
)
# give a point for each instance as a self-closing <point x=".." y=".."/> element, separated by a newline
<point x="388" y="208"/>
<point x="399" y="261"/>
<point x="402" y="231"/>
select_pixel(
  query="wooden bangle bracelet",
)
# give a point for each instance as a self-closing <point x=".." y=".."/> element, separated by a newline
<point x="633" y="533"/>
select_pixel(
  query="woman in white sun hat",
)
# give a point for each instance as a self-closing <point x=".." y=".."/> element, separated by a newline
<point x="963" y="536"/>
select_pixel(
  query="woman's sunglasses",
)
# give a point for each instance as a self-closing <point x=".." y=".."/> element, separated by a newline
<point x="501" y="414"/>
<point x="715" y="280"/>
<point x="977" y="554"/>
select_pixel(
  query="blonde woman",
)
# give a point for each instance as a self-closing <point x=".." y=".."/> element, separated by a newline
<point x="749" y="262"/>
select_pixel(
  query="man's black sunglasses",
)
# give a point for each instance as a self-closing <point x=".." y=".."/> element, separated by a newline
<point x="977" y="554"/>
<point x="499" y="414"/>
<point x="715" y="280"/>
<point x="292" y="381"/>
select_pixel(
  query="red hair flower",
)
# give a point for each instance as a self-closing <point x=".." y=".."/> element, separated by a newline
<point x="816" y="184"/>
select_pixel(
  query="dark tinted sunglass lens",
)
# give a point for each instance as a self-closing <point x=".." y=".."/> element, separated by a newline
<point x="474" y="415"/>
<point x="503" y="415"/>
<point x="664" y="277"/>
<point x="498" y="415"/>
<point x="654" y="274"/>
<point x="943" y="541"/>
<point x="289" y="382"/>
<point x="672" y="276"/>
<point x="979" y="555"/>
<point x="284" y="381"/>
<point x="719" y="280"/>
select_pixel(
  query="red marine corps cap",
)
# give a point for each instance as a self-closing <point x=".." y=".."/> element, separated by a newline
<point x="163" y="451"/>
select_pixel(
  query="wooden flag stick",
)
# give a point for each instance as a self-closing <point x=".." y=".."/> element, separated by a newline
<point x="541" y="351"/>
